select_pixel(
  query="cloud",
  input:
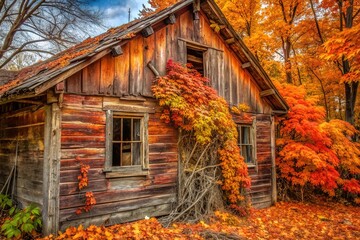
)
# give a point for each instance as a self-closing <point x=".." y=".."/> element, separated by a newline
<point x="116" y="13"/>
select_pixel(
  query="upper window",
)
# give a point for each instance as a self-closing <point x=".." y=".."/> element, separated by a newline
<point x="246" y="143"/>
<point x="126" y="142"/>
<point x="196" y="58"/>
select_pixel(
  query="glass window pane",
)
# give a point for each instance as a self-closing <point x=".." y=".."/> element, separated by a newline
<point x="246" y="152"/>
<point x="126" y="154"/>
<point x="117" y="129"/>
<point x="116" y="154"/>
<point x="136" y="150"/>
<point x="136" y="129"/>
<point x="245" y="135"/>
<point x="126" y="129"/>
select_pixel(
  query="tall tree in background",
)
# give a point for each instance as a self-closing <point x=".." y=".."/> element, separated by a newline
<point x="42" y="27"/>
<point x="343" y="48"/>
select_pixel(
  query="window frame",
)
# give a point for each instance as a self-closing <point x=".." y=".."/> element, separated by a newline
<point x="130" y="170"/>
<point x="252" y="127"/>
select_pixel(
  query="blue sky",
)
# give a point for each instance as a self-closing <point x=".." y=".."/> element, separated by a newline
<point x="116" y="11"/>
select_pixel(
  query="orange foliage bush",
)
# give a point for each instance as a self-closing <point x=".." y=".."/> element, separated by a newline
<point x="312" y="151"/>
<point x="190" y="104"/>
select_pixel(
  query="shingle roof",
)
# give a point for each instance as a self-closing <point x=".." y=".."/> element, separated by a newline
<point x="32" y="78"/>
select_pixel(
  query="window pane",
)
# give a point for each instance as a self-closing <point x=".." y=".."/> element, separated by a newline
<point x="136" y="150"/>
<point x="117" y="129"/>
<point x="136" y="129"/>
<point x="246" y="152"/>
<point x="126" y="154"/>
<point x="126" y="129"/>
<point x="116" y="154"/>
<point x="245" y="135"/>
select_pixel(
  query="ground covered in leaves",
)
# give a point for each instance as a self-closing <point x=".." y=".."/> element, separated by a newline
<point x="286" y="220"/>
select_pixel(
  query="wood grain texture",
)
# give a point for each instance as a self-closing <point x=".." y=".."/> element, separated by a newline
<point x="83" y="141"/>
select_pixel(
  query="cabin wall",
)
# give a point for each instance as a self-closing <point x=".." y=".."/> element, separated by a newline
<point x="23" y="128"/>
<point x="128" y="74"/>
<point x="118" y="199"/>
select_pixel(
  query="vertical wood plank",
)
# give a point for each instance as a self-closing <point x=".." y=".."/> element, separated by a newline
<point x="240" y="85"/>
<point x="160" y="38"/>
<point x="149" y="55"/>
<point x="145" y="132"/>
<point x="171" y="41"/>
<point x="107" y="74"/>
<point x="121" y="80"/>
<point x="108" y="139"/>
<point x="273" y="167"/>
<point x="246" y="90"/>
<point x="226" y="81"/>
<point x="234" y="75"/>
<point x="187" y="25"/>
<point x="181" y="54"/>
<point x="51" y="171"/>
<point x="73" y="83"/>
<point x="91" y="78"/>
<point x="136" y="65"/>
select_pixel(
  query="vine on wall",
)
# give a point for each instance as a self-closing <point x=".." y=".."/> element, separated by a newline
<point x="83" y="182"/>
<point x="208" y="138"/>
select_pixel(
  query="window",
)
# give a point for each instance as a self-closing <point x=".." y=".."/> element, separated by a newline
<point x="246" y="143"/>
<point x="126" y="143"/>
<point x="196" y="58"/>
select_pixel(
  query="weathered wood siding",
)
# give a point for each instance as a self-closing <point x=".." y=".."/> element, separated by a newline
<point x="128" y="73"/>
<point x="261" y="174"/>
<point x="118" y="199"/>
<point x="25" y="127"/>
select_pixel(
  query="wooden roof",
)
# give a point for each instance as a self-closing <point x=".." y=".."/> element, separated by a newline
<point x="36" y="79"/>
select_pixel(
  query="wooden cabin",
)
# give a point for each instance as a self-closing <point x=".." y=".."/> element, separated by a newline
<point x="92" y="104"/>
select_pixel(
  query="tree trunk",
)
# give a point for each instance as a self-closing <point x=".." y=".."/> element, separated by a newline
<point x="287" y="49"/>
<point x="351" y="87"/>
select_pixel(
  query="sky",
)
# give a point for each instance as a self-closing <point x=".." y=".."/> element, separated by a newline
<point x="116" y="12"/>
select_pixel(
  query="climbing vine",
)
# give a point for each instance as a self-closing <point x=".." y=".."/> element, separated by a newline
<point x="83" y="182"/>
<point x="207" y="141"/>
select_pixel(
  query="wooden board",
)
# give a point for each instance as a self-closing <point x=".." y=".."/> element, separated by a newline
<point x="136" y="66"/>
<point x="160" y="59"/>
<point x="107" y="75"/>
<point x="149" y="56"/>
<point x="91" y="78"/>
<point x="122" y="67"/>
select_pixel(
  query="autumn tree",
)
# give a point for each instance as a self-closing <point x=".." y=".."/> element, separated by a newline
<point x="42" y="27"/>
<point x="313" y="153"/>
<point x="343" y="48"/>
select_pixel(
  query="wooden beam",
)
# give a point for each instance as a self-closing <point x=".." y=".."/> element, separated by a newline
<point x="230" y="40"/>
<point x="29" y="101"/>
<point x="147" y="32"/>
<point x="192" y="58"/>
<point x="278" y="112"/>
<point x="246" y="65"/>
<point x="153" y="69"/>
<point x="51" y="169"/>
<point x="267" y="92"/>
<point x="171" y="19"/>
<point x="273" y="166"/>
<point x="116" y="51"/>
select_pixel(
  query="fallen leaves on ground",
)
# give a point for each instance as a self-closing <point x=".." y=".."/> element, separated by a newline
<point x="286" y="220"/>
